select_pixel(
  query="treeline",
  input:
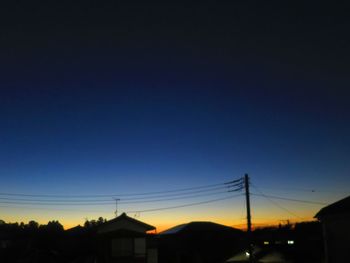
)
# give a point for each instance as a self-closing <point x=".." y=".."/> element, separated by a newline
<point x="31" y="228"/>
<point x="53" y="226"/>
<point x="94" y="223"/>
<point x="34" y="242"/>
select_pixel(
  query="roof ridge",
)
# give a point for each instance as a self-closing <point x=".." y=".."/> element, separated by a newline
<point x="334" y="208"/>
<point x="125" y="216"/>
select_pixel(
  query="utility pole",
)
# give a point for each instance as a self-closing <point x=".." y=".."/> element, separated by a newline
<point x="116" y="206"/>
<point x="249" y="223"/>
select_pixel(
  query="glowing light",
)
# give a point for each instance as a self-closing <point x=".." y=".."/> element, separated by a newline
<point x="247" y="254"/>
<point x="266" y="242"/>
<point x="290" y="242"/>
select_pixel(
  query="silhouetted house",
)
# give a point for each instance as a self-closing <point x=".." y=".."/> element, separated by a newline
<point x="79" y="244"/>
<point x="198" y="242"/>
<point x="125" y="239"/>
<point x="335" y="219"/>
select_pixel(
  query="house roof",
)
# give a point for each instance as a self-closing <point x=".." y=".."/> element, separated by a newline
<point x="75" y="229"/>
<point x="174" y="229"/>
<point x="197" y="226"/>
<point x="123" y="222"/>
<point x="340" y="207"/>
<point x="123" y="216"/>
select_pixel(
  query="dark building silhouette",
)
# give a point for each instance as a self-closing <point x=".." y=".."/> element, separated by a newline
<point x="125" y="240"/>
<point x="335" y="219"/>
<point x="198" y="242"/>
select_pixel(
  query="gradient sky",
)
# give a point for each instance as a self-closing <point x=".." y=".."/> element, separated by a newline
<point x="127" y="98"/>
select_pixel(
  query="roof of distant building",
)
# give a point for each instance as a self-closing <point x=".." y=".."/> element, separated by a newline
<point x="340" y="207"/>
<point x="197" y="226"/>
<point x="124" y="222"/>
<point x="174" y="229"/>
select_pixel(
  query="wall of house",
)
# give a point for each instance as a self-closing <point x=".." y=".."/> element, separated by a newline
<point x="152" y="255"/>
<point x="128" y="249"/>
<point x="337" y="238"/>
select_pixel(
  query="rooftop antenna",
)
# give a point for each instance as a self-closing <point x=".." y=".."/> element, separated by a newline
<point x="116" y="206"/>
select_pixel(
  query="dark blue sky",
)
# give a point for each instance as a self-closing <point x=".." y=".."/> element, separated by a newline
<point x="96" y="96"/>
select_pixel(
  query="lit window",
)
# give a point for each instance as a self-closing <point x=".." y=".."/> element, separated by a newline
<point x="266" y="242"/>
<point x="290" y="242"/>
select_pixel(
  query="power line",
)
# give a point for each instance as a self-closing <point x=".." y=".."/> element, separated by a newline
<point x="51" y="200"/>
<point x="124" y="194"/>
<point x="185" y="205"/>
<point x="189" y="195"/>
<point x="108" y="200"/>
<point x="176" y="194"/>
<point x="290" y="199"/>
<point x="135" y="211"/>
<point x="276" y="204"/>
<point x="56" y="204"/>
<point x="51" y="209"/>
<point x="174" y="198"/>
<point x="136" y="198"/>
<point x="147" y="199"/>
<point x="295" y="189"/>
<point x="283" y="208"/>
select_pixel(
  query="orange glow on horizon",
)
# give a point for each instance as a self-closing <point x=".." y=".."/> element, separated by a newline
<point x="165" y="224"/>
<point x="229" y="213"/>
<point x="162" y="226"/>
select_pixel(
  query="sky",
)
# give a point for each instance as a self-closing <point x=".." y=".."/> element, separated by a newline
<point x="129" y="98"/>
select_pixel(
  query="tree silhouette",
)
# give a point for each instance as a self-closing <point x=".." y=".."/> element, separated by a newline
<point x="94" y="223"/>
